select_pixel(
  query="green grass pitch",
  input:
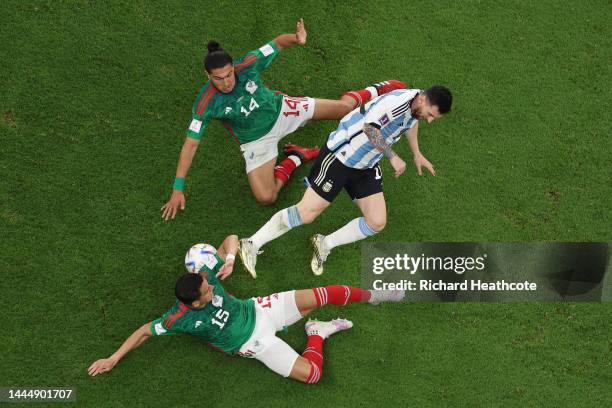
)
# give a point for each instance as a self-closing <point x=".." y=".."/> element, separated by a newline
<point x="95" y="98"/>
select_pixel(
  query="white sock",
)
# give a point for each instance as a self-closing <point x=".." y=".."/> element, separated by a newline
<point x="295" y="159"/>
<point x="355" y="230"/>
<point x="280" y="223"/>
<point x="373" y="91"/>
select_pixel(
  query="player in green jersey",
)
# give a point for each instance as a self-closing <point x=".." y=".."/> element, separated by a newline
<point x="258" y="118"/>
<point x="248" y="327"/>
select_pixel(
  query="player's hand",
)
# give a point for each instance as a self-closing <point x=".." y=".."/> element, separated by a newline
<point x="300" y="32"/>
<point x="420" y="161"/>
<point x="101" y="366"/>
<point x="398" y="165"/>
<point x="170" y="208"/>
<point x="226" y="270"/>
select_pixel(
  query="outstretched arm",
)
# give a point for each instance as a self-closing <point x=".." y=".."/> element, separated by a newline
<point x="289" y="40"/>
<point x="377" y="139"/>
<point x="136" y="339"/>
<point x="419" y="160"/>
<point x="178" y="198"/>
<point x="227" y="251"/>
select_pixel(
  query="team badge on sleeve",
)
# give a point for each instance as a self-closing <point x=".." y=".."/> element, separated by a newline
<point x="384" y="119"/>
<point x="195" y="126"/>
<point x="217" y="301"/>
<point x="159" y="329"/>
<point x="251" y="87"/>
<point x="211" y="262"/>
<point x="266" y="50"/>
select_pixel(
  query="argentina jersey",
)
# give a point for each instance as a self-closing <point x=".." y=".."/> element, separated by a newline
<point x="390" y="113"/>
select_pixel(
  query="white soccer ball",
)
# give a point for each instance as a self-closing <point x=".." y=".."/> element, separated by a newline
<point x="198" y="256"/>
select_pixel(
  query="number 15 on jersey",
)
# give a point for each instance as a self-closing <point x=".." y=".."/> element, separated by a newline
<point x="222" y="315"/>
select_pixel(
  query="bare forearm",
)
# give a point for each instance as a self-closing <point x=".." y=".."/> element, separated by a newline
<point x="228" y="246"/>
<point x="377" y="139"/>
<point x="286" y="41"/>
<point x="132" y="342"/>
<point x="186" y="158"/>
<point x="413" y="141"/>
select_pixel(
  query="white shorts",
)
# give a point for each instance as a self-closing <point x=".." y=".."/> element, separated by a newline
<point x="295" y="113"/>
<point x="272" y="314"/>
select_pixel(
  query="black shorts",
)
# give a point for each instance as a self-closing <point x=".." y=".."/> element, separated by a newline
<point x="328" y="176"/>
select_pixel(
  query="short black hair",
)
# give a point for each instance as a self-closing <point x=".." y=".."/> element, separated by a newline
<point x="441" y="97"/>
<point x="217" y="57"/>
<point x="187" y="288"/>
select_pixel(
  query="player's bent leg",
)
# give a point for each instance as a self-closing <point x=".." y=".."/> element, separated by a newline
<point x="264" y="185"/>
<point x="313" y="353"/>
<point x="265" y="175"/>
<point x="311" y="206"/>
<point x="296" y="155"/>
<point x="301" y="369"/>
<point x="374" y="220"/>
<point x="302" y="154"/>
<point x="374" y="210"/>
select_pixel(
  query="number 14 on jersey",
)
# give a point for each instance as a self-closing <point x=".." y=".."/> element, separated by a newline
<point x="252" y="106"/>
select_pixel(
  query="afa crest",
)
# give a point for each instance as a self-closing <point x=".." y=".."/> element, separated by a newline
<point x="327" y="186"/>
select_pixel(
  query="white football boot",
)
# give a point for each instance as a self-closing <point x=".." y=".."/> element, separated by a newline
<point x="379" y="296"/>
<point x="248" y="255"/>
<point x="326" y="329"/>
<point x="319" y="255"/>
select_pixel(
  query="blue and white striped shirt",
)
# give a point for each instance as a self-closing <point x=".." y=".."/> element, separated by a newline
<point x="389" y="112"/>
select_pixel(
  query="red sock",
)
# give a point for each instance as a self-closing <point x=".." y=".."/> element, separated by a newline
<point x="361" y="96"/>
<point x="314" y="353"/>
<point x="340" y="295"/>
<point x="283" y="170"/>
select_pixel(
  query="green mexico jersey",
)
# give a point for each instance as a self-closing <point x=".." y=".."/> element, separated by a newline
<point x="225" y="322"/>
<point x="250" y="110"/>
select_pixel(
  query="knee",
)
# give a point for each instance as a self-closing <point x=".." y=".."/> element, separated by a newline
<point x="310" y="207"/>
<point x="377" y="223"/>
<point x="266" y="197"/>
<point x="307" y="216"/>
<point x="310" y="376"/>
<point x="305" y="371"/>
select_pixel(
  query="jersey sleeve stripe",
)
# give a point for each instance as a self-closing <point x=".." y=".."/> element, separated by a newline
<point x="206" y="98"/>
<point x="180" y="311"/>
<point x="208" y="95"/>
<point x="244" y="64"/>
<point x="401" y="112"/>
<point x="400" y="109"/>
